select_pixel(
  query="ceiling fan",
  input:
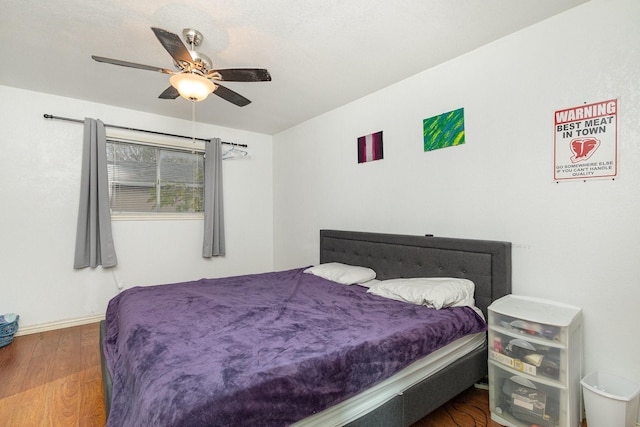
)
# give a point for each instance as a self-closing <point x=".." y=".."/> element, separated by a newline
<point x="196" y="78"/>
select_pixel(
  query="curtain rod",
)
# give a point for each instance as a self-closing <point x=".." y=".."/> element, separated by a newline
<point x="50" y="116"/>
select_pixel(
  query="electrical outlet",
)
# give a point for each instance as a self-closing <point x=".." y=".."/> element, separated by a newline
<point x="525" y="246"/>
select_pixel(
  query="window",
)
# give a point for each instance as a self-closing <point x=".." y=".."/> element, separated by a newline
<point x="147" y="179"/>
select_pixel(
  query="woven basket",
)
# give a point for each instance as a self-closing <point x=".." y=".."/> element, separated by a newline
<point x="7" y="331"/>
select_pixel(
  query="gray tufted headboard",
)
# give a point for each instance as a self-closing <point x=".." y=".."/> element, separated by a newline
<point x="487" y="263"/>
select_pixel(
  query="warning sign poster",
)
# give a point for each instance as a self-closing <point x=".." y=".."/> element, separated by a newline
<point x="586" y="141"/>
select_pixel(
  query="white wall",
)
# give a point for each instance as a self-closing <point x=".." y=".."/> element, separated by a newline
<point x="39" y="190"/>
<point x="574" y="242"/>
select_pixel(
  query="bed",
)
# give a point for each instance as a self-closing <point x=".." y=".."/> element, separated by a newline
<point x="374" y="396"/>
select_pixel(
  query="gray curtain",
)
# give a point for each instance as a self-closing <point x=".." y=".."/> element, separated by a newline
<point x="213" y="244"/>
<point x="94" y="241"/>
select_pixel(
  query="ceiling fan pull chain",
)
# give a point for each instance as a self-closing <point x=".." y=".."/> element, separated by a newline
<point x="193" y="125"/>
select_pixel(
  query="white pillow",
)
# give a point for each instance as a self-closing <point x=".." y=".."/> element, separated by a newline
<point x="369" y="283"/>
<point x="434" y="292"/>
<point x="342" y="273"/>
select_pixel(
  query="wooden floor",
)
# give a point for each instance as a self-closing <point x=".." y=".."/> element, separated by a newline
<point x="54" y="379"/>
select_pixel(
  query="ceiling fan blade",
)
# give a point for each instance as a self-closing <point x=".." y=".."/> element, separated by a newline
<point x="169" y="93"/>
<point x="130" y="64"/>
<point x="244" y="75"/>
<point x="231" y="96"/>
<point x="173" y="45"/>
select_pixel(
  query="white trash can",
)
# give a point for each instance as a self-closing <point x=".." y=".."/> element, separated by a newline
<point x="610" y="401"/>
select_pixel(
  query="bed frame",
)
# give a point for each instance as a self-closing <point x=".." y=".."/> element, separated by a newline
<point x="486" y="263"/>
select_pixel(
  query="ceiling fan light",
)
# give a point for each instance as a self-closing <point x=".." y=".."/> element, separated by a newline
<point x="192" y="86"/>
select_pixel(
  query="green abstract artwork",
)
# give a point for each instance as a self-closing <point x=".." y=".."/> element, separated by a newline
<point x="444" y="130"/>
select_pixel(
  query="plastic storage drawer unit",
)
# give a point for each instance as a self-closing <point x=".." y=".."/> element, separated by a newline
<point x="535" y="362"/>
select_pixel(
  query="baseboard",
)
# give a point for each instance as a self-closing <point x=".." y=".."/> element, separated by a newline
<point x="60" y="324"/>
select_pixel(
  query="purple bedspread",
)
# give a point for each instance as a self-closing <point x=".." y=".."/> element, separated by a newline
<point x="260" y="350"/>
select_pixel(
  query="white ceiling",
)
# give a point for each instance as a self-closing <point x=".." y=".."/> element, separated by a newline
<point x="321" y="54"/>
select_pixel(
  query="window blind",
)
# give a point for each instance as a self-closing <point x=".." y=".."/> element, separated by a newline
<point x="152" y="179"/>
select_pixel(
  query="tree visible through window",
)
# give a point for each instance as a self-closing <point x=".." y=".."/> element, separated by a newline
<point x="151" y="179"/>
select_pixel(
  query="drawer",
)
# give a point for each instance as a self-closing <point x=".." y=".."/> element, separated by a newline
<point x="519" y="401"/>
<point x="534" y="358"/>
<point x="528" y="329"/>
